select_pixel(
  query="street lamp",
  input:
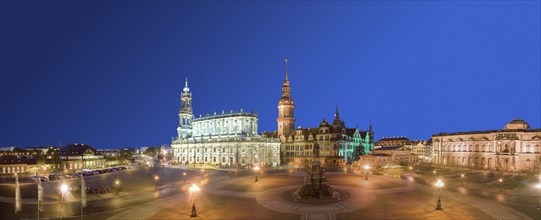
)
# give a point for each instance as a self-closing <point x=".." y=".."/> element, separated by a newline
<point x="63" y="190"/>
<point x="256" y="169"/>
<point x="462" y="176"/>
<point x="434" y="172"/>
<point x="156" y="178"/>
<point x="194" y="189"/>
<point x="539" y="196"/>
<point x="366" y="168"/>
<point x="438" y="185"/>
<point x="500" y="183"/>
<point x="117" y="186"/>
<point x="184" y="176"/>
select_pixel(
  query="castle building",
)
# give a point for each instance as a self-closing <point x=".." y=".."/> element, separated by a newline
<point x="227" y="139"/>
<point x="335" y="143"/>
<point x="514" y="148"/>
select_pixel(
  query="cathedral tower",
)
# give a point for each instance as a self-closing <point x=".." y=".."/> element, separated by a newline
<point x="286" y="107"/>
<point x="185" y="114"/>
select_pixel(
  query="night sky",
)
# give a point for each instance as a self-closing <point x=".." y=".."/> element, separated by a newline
<point x="110" y="74"/>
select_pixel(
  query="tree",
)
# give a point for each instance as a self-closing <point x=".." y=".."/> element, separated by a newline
<point x="152" y="151"/>
<point x="55" y="159"/>
<point x="41" y="159"/>
<point x="357" y="152"/>
<point x="124" y="155"/>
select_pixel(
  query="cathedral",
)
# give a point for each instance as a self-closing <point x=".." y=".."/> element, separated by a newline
<point x="229" y="139"/>
<point x="335" y="143"/>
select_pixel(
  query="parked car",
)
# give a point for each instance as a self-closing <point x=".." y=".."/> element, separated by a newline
<point x="55" y="177"/>
<point x="88" y="173"/>
<point x="37" y="178"/>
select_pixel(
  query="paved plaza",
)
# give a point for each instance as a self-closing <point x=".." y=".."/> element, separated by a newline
<point x="225" y="196"/>
<point x="377" y="198"/>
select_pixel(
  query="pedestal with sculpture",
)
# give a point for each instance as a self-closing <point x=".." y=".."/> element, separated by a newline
<point x="315" y="183"/>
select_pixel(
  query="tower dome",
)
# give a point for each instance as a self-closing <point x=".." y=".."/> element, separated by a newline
<point x="186" y="89"/>
<point x="323" y="123"/>
<point x="517" y="123"/>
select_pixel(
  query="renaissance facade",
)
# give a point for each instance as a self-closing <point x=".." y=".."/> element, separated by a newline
<point x="514" y="148"/>
<point x="335" y="143"/>
<point x="227" y="139"/>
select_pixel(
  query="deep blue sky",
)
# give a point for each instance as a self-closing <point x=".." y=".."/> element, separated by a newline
<point x="110" y="74"/>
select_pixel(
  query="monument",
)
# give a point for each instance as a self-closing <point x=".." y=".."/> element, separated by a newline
<point x="315" y="184"/>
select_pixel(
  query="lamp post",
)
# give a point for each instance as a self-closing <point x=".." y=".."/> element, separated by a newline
<point x="366" y="168"/>
<point x="63" y="190"/>
<point x="434" y="172"/>
<point x="256" y="169"/>
<point x="194" y="189"/>
<point x="156" y="178"/>
<point x="539" y="196"/>
<point x="164" y="152"/>
<point x="184" y="176"/>
<point x="462" y="176"/>
<point x="500" y="183"/>
<point x="83" y="186"/>
<point x="117" y="186"/>
<point x="438" y="185"/>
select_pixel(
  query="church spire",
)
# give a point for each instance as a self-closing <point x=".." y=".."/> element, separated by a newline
<point x="285" y="89"/>
<point x="286" y="107"/>
<point x="186" y="113"/>
<point x="336" y="113"/>
<point x="370" y="125"/>
<point x="186" y="90"/>
<point x="285" y="60"/>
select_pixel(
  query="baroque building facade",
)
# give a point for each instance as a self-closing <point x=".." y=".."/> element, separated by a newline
<point x="335" y="143"/>
<point x="226" y="140"/>
<point x="392" y="141"/>
<point x="388" y="156"/>
<point x="514" y="148"/>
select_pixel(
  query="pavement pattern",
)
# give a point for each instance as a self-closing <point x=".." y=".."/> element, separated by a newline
<point x="241" y="198"/>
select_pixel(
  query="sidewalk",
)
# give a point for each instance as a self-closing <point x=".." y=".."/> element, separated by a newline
<point x="147" y="210"/>
<point x="486" y="187"/>
<point x="492" y="208"/>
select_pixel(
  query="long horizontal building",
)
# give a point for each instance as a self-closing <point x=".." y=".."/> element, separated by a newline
<point x="514" y="148"/>
<point x="227" y="139"/>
